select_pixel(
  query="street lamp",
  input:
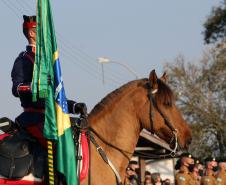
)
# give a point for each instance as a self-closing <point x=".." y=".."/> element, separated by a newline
<point x="105" y="60"/>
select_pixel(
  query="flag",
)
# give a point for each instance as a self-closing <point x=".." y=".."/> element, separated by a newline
<point x="47" y="83"/>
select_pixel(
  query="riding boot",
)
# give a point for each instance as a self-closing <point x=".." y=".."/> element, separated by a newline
<point x="40" y="162"/>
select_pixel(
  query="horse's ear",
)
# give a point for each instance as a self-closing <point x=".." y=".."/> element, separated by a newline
<point x="164" y="77"/>
<point x="153" y="80"/>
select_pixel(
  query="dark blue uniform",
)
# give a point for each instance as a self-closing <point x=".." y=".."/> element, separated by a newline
<point x="22" y="73"/>
<point x="32" y="119"/>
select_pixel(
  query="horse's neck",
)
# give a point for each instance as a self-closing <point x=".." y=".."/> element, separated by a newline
<point x="120" y="128"/>
<point x="117" y="128"/>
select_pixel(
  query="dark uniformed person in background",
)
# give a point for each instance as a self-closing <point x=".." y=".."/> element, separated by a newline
<point x="147" y="175"/>
<point x="197" y="172"/>
<point x="221" y="174"/>
<point x="156" y="179"/>
<point x="32" y="118"/>
<point x="131" y="174"/>
<point x="211" y="168"/>
<point x="186" y="164"/>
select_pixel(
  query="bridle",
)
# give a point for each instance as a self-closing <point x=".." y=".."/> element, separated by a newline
<point x="153" y="104"/>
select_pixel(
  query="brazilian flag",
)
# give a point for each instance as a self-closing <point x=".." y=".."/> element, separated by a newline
<point x="47" y="66"/>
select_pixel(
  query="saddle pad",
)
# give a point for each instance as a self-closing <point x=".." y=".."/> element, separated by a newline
<point x="27" y="180"/>
<point x="2" y="136"/>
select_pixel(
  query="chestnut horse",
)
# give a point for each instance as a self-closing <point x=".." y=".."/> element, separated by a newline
<point x="119" y="118"/>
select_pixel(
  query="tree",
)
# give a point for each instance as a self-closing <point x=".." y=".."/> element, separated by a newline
<point x="201" y="95"/>
<point x="215" y="25"/>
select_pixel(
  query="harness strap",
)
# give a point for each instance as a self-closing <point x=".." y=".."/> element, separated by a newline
<point x="106" y="159"/>
<point x="154" y="104"/>
<point x="89" y="177"/>
<point x="151" y="112"/>
<point x="173" y="153"/>
<point x="31" y="109"/>
<point x="12" y="166"/>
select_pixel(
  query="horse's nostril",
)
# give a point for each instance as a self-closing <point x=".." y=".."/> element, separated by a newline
<point x="188" y="142"/>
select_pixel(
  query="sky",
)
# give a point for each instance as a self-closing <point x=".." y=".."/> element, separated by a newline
<point x="143" y="35"/>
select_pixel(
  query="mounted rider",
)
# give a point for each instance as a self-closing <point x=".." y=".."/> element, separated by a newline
<point x="33" y="116"/>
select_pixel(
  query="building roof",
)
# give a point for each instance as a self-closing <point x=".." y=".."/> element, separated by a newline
<point x="150" y="146"/>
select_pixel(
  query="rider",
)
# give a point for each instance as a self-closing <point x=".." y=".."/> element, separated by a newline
<point x="32" y="118"/>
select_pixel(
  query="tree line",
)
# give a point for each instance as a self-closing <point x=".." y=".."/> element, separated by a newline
<point x="201" y="88"/>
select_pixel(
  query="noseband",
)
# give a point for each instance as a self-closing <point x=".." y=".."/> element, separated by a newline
<point x="153" y="104"/>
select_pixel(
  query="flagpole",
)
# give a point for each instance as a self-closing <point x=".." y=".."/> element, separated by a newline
<point x="50" y="162"/>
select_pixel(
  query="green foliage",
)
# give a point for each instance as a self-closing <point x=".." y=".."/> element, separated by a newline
<point x="215" y="25"/>
<point x="201" y="95"/>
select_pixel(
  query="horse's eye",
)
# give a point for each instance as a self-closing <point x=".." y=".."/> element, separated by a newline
<point x="168" y="104"/>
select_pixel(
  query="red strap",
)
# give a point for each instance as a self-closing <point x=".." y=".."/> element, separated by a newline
<point x="2" y="136"/>
<point x="24" y="88"/>
<point x="31" y="109"/>
<point x="29" y="24"/>
<point x="85" y="157"/>
<point x="19" y="182"/>
<point x="37" y="132"/>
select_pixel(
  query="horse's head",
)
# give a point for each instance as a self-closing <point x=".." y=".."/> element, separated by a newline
<point x="160" y="115"/>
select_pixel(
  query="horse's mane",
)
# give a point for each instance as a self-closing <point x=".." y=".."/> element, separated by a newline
<point x="116" y="94"/>
<point x="164" y="94"/>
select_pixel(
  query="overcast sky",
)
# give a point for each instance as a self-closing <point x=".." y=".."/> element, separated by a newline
<point x="140" y="34"/>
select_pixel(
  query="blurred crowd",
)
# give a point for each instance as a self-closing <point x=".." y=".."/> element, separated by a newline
<point x="132" y="176"/>
<point x="193" y="171"/>
<point x="189" y="171"/>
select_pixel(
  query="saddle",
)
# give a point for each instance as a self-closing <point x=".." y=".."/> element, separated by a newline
<point x="20" y="154"/>
<point x="16" y="157"/>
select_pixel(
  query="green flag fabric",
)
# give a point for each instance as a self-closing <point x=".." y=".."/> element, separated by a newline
<point x="47" y="83"/>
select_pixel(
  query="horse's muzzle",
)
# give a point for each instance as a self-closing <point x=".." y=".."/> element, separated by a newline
<point x="188" y="142"/>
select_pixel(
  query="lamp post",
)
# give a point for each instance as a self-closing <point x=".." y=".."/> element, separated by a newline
<point x="106" y="60"/>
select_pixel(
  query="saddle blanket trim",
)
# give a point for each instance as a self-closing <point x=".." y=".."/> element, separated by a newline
<point x="27" y="180"/>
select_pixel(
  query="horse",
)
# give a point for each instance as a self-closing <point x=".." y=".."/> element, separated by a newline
<point x="117" y="120"/>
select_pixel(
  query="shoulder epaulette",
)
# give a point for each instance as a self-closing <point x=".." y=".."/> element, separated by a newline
<point x="24" y="54"/>
<point x="182" y="178"/>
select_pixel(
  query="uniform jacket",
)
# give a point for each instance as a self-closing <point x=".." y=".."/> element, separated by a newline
<point x="183" y="177"/>
<point x="22" y="73"/>
<point x="208" y="179"/>
<point x="194" y="179"/>
<point x="221" y="178"/>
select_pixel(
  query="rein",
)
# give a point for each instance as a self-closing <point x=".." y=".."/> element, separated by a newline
<point x="123" y="152"/>
<point x="105" y="157"/>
